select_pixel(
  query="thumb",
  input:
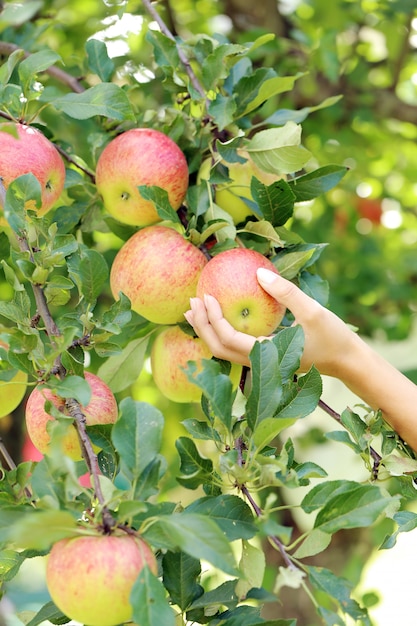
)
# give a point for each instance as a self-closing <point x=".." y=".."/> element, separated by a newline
<point x="284" y="291"/>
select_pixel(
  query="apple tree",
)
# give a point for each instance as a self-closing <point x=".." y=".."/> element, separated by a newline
<point x="181" y="516"/>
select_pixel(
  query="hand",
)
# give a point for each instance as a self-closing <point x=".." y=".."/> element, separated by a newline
<point x="327" y="337"/>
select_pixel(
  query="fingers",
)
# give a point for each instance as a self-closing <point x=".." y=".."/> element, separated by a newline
<point x="283" y="290"/>
<point x="223" y="340"/>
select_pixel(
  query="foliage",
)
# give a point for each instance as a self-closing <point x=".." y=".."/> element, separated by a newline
<point x="211" y="95"/>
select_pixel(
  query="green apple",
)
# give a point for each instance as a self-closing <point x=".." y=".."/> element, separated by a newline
<point x="31" y="152"/>
<point x="231" y="196"/>
<point x="102" y="409"/>
<point x="157" y="269"/>
<point x="140" y="156"/>
<point x="170" y="353"/>
<point x="230" y="277"/>
<point x="90" y="578"/>
<point x="12" y="391"/>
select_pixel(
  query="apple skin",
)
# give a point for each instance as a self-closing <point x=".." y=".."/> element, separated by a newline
<point x="102" y="409"/>
<point x="32" y="152"/>
<point x="230" y="277"/>
<point x="90" y="578"/>
<point x="170" y="352"/>
<point x="140" y="156"/>
<point x="228" y="196"/>
<point x="158" y="270"/>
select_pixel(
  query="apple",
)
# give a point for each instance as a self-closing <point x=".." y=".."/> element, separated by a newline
<point x="90" y="578"/>
<point x="102" y="409"/>
<point x="157" y="269"/>
<point x="170" y="352"/>
<point x="12" y="391"/>
<point x="31" y="152"/>
<point x="228" y="196"/>
<point x="140" y="156"/>
<point x="230" y="277"/>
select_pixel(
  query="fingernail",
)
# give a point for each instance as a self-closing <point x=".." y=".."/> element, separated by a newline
<point x="265" y="276"/>
<point x="189" y="317"/>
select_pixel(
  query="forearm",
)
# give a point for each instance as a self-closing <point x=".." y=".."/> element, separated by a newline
<point x="381" y="386"/>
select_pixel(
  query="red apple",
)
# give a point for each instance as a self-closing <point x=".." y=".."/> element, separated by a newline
<point x="31" y="152"/>
<point x="230" y="277"/>
<point x="102" y="409"/>
<point x="157" y="269"/>
<point x="140" y="156"/>
<point x="90" y="578"/>
<point x="170" y="353"/>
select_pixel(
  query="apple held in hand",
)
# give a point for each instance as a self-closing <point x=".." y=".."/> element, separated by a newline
<point x="90" y="578"/>
<point x="230" y="196"/>
<point x="31" y="152"/>
<point x="157" y="269"/>
<point x="102" y="409"/>
<point x="170" y="353"/>
<point x="230" y="277"/>
<point x="140" y="156"/>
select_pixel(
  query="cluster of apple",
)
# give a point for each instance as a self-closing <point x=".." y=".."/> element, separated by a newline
<point x="159" y="269"/>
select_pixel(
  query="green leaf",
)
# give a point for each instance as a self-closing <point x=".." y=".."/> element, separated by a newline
<point x="276" y="201"/>
<point x="216" y="386"/>
<point x="165" y="49"/>
<point x="222" y="109"/>
<point x="105" y="99"/>
<point x="17" y="14"/>
<point x="266" y="389"/>
<point x="303" y="396"/>
<point x="98" y="60"/>
<point x="137" y="436"/>
<point x="269" y="88"/>
<point x="41" y="529"/>
<point x="122" y="370"/>
<point x="290" y="263"/>
<point x="197" y="535"/>
<point x="37" y="62"/>
<point x="360" y="507"/>
<point x="315" y="183"/>
<point x="315" y="542"/>
<point x="159" y="197"/>
<point x="48" y="613"/>
<point x="6" y="70"/>
<point x="94" y="272"/>
<point x="230" y="512"/>
<point x="266" y="431"/>
<point x="406" y="520"/>
<point x="252" y="567"/>
<point x="278" y="150"/>
<point x="72" y="387"/>
<point x="263" y="228"/>
<point x="180" y="574"/>
<point x="24" y="189"/>
<point x="290" y="345"/>
<point x="149" y="602"/>
<point x="338" y="588"/>
<point x="195" y="470"/>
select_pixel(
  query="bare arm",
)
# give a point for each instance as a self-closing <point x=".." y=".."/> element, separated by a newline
<point x="329" y="343"/>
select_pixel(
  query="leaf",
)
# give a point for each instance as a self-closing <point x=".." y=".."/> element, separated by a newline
<point x="268" y="429"/>
<point x="98" y="59"/>
<point x="159" y="197"/>
<point x="282" y="116"/>
<point x="6" y="70"/>
<point x="222" y="109"/>
<point x="41" y="529"/>
<point x="252" y="567"/>
<point x="290" y="263"/>
<point x="216" y="386"/>
<point x="266" y="390"/>
<point x="315" y="183"/>
<point x="94" y="272"/>
<point x="303" y="396"/>
<point x="315" y="542"/>
<point x="180" y="574"/>
<point x="48" y="613"/>
<point x="24" y="189"/>
<point x="149" y="602"/>
<point x="122" y="370"/>
<point x="200" y="430"/>
<point x="195" y="470"/>
<point x="137" y="436"/>
<point x="72" y="387"/>
<point x="196" y="535"/>
<point x="290" y="345"/>
<point x="406" y="520"/>
<point x="263" y="228"/>
<point x="360" y="507"/>
<point x="230" y="512"/>
<point x="269" y="88"/>
<point x="278" y="150"/>
<point x="37" y="62"/>
<point x="276" y="201"/>
<point x="104" y="99"/>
